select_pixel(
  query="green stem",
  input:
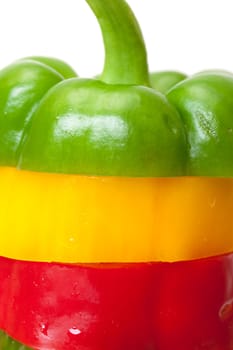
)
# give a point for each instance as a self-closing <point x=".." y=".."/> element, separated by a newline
<point x="125" y="52"/>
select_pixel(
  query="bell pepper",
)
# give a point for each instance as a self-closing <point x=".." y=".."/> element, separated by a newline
<point x="111" y="184"/>
<point x="140" y="306"/>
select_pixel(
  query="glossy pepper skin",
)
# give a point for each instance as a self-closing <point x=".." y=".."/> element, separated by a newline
<point x="205" y="104"/>
<point x="163" y="81"/>
<point x="22" y="86"/>
<point x="162" y="306"/>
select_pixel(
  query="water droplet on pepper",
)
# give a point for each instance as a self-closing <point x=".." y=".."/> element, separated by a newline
<point x="74" y="331"/>
<point x="226" y="310"/>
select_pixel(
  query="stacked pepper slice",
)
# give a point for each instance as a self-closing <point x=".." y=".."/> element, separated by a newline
<point x="116" y="202"/>
<point x="119" y="306"/>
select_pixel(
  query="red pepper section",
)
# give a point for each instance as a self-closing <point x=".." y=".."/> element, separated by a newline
<point x="159" y="306"/>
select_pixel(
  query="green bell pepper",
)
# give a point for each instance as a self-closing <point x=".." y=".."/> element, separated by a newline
<point x="111" y="126"/>
<point x="115" y="125"/>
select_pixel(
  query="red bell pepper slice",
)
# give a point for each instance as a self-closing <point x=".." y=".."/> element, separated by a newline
<point x="163" y="306"/>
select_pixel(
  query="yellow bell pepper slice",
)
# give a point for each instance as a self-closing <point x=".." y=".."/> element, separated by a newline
<point x="73" y="218"/>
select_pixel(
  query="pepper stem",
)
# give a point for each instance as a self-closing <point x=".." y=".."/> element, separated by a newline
<point x="125" y="52"/>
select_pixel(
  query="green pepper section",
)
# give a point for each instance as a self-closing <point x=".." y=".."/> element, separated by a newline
<point x="165" y="80"/>
<point x="7" y="343"/>
<point x="116" y="125"/>
<point x="205" y="104"/>
<point x="112" y="126"/>
<point x="58" y="65"/>
<point x="22" y="86"/>
<point x="100" y="129"/>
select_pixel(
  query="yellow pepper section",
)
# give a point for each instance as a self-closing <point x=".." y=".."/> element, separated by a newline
<point x="72" y="218"/>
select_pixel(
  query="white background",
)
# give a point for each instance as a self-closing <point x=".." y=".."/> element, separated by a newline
<point x="187" y="35"/>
